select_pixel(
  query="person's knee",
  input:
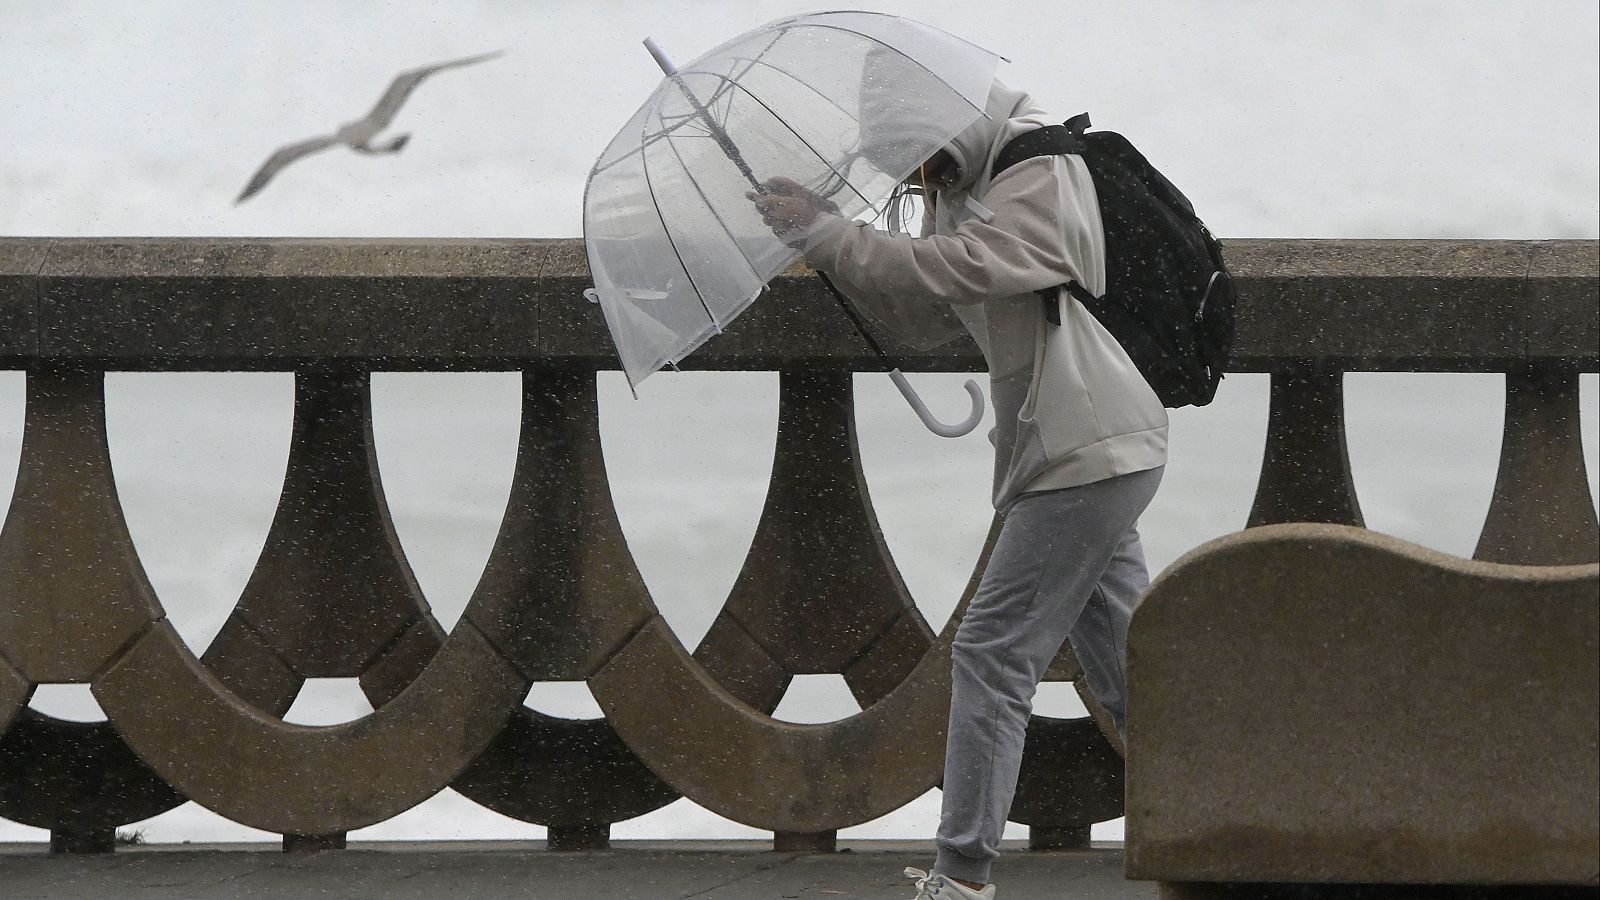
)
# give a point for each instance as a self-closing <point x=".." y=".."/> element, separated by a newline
<point x="970" y="658"/>
<point x="981" y="663"/>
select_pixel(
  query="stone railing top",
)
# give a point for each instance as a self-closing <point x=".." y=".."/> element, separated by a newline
<point x="283" y="303"/>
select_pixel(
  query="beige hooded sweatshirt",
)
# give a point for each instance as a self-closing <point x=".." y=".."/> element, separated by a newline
<point x="1070" y="407"/>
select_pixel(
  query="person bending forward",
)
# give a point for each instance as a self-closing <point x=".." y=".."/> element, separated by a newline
<point x="1080" y="439"/>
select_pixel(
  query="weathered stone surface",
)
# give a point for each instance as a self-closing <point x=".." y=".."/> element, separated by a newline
<point x="92" y="842"/>
<point x="1070" y="837"/>
<point x="497" y="870"/>
<point x="20" y="261"/>
<point x="1541" y="512"/>
<point x="562" y="773"/>
<point x="72" y="594"/>
<point x="560" y="591"/>
<point x="246" y="665"/>
<point x="1065" y="667"/>
<point x="565" y="773"/>
<point x="1562" y="311"/>
<point x="1071" y="775"/>
<point x="1101" y="717"/>
<point x="892" y="657"/>
<point x="1224" y="890"/>
<point x="1305" y="467"/>
<point x="770" y="774"/>
<point x="557" y="772"/>
<point x="72" y="591"/>
<point x="314" y="843"/>
<point x="14" y="691"/>
<point x="76" y="777"/>
<point x="331" y="589"/>
<point x="1375" y="305"/>
<point x="805" y="842"/>
<point x="401" y="660"/>
<point x="578" y="838"/>
<point x="559" y="595"/>
<point x="1316" y="703"/>
<point x="294" y="779"/>
<point x="818" y="585"/>
<point x="571" y="329"/>
<point x="734" y="659"/>
<point x="282" y="302"/>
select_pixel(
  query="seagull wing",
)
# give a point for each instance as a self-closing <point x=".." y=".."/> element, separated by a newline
<point x="406" y="82"/>
<point x="280" y="158"/>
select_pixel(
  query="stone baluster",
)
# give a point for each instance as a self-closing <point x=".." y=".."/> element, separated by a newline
<point x="560" y="591"/>
<point x="819" y="592"/>
<point x="331" y="597"/>
<point x="1305" y="471"/>
<point x="331" y="592"/>
<point x="72" y="593"/>
<point x="1541" y="512"/>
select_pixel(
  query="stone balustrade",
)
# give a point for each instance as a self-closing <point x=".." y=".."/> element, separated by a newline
<point x="561" y="599"/>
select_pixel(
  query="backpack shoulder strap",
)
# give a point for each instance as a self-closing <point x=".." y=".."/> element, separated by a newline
<point x="1051" y="140"/>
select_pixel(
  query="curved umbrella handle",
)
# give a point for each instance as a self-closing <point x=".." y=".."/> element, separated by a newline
<point x="934" y="425"/>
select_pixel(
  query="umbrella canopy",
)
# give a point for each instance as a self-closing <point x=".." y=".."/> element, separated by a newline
<point x="675" y="248"/>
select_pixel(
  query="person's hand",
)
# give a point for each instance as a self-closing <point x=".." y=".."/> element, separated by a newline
<point x="787" y="206"/>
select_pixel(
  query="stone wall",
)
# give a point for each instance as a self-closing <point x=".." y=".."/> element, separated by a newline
<point x="560" y="597"/>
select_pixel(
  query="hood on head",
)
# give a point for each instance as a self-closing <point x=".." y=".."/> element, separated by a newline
<point x="974" y="148"/>
<point x="901" y="127"/>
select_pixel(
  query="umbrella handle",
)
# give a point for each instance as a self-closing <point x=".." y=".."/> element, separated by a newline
<point x="934" y="425"/>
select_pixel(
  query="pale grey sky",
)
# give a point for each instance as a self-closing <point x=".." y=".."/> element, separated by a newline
<point x="1285" y="118"/>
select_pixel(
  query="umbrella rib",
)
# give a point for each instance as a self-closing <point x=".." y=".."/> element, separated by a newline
<point x="814" y="152"/>
<point x="791" y="76"/>
<point x="644" y="159"/>
<point x="754" y="61"/>
<point x="797" y="23"/>
<point x="715" y="215"/>
<point x="730" y="79"/>
<point x="661" y="135"/>
<point x="800" y="23"/>
<point x="690" y="117"/>
<point x="632" y="386"/>
<point x="908" y="58"/>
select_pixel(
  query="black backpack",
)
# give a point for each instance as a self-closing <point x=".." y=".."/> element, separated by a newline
<point x="1169" y="298"/>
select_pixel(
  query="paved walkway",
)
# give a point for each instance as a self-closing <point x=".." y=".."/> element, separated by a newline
<point x="720" y="870"/>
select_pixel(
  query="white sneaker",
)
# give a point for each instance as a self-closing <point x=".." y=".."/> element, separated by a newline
<point x="933" y="886"/>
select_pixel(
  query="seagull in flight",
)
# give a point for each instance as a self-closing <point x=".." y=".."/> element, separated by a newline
<point x="358" y="135"/>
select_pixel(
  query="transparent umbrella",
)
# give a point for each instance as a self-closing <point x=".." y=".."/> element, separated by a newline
<point x="675" y="248"/>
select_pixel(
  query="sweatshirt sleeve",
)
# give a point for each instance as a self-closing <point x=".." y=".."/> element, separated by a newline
<point x="1026" y="246"/>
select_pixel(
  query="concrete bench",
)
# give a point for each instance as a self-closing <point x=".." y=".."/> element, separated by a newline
<point x="1320" y="704"/>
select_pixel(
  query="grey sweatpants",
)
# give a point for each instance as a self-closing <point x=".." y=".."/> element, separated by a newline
<point x="1067" y="565"/>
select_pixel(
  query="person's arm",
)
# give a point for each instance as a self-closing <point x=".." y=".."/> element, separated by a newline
<point x="795" y="214"/>
<point x="914" y="321"/>
<point x="1031" y="243"/>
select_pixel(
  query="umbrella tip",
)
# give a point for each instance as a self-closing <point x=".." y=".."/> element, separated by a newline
<point x="660" y="56"/>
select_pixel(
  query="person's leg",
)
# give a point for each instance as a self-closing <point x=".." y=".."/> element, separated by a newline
<point x="1100" y="636"/>
<point x="1051" y="554"/>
